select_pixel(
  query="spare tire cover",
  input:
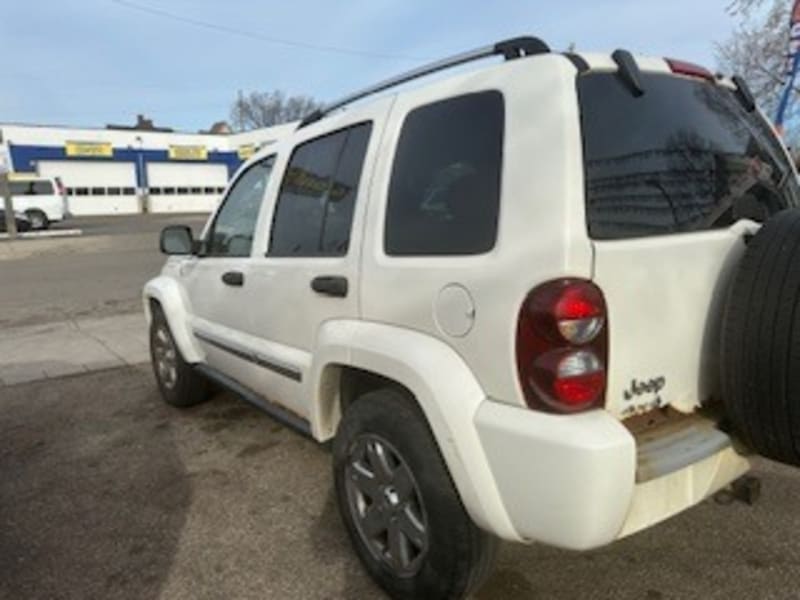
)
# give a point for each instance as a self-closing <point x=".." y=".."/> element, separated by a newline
<point x="760" y="359"/>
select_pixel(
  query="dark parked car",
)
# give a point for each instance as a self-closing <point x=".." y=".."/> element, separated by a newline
<point x="23" y="223"/>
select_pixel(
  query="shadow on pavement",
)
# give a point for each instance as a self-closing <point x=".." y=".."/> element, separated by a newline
<point x="93" y="495"/>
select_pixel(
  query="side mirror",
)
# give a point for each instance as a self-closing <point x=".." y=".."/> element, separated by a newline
<point x="177" y="240"/>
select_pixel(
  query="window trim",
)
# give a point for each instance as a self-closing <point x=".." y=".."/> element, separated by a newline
<point x="204" y="243"/>
<point x="385" y="209"/>
<point x="295" y="148"/>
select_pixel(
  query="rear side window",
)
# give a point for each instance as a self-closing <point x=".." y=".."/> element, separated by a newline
<point x="444" y="194"/>
<point x="43" y="188"/>
<point x="314" y="211"/>
<point x="683" y="157"/>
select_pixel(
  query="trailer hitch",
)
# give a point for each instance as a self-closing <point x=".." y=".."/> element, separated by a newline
<point x="746" y="489"/>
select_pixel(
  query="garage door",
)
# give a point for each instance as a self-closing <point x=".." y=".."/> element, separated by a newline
<point x="181" y="187"/>
<point x="95" y="188"/>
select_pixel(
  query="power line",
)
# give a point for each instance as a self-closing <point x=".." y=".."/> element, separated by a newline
<point x="259" y="36"/>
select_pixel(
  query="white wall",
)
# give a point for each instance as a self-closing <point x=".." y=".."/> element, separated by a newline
<point x="87" y="175"/>
<point x="174" y="177"/>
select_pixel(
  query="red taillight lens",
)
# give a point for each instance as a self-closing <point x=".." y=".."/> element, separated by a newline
<point x="562" y="346"/>
<point x="681" y="67"/>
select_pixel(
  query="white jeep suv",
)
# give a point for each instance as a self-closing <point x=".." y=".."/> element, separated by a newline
<point x="532" y="301"/>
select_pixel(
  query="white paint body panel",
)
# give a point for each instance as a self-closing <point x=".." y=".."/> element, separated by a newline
<point x="185" y="175"/>
<point x="665" y="299"/>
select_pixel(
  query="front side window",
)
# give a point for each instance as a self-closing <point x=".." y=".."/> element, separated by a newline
<point x="232" y="232"/>
<point x="444" y="194"/>
<point x="314" y="212"/>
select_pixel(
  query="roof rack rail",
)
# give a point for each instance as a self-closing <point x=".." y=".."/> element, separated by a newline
<point x="509" y="49"/>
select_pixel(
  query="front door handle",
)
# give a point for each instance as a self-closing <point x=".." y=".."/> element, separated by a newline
<point x="330" y="285"/>
<point x="234" y="278"/>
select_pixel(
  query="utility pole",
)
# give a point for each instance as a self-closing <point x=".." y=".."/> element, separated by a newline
<point x="5" y="192"/>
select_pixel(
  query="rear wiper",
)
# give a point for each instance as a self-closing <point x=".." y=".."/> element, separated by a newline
<point x="743" y="94"/>
<point x="660" y="187"/>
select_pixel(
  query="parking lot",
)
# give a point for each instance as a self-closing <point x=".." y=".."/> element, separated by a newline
<point x="108" y="493"/>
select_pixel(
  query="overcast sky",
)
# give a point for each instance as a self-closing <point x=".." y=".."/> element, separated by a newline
<point x="91" y="62"/>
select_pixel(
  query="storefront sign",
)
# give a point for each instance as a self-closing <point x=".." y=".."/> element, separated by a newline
<point x="92" y="149"/>
<point x="188" y="153"/>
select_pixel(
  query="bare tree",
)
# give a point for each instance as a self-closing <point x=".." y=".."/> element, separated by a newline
<point x="757" y="49"/>
<point x="263" y="109"/>
<point x="743" y="7"/>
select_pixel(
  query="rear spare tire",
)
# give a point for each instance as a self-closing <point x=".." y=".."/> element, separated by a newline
<point x="761" y="342"/>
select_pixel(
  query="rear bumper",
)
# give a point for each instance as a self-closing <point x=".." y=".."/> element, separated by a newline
<point x="570" y="481"/>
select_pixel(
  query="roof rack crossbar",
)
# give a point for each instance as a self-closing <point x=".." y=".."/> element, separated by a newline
<point x="510" y="49"/>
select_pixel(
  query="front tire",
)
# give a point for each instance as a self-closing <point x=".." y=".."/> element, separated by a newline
<point x="399" y="505"/>
<point x="180" y="385"/>
<point x="38" y="219"/>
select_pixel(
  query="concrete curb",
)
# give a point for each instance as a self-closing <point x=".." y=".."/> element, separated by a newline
<point x="47" y="233"/>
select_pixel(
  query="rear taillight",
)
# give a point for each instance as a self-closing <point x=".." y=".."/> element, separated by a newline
<point x="562" y="346"/>
<point x="681" y="67"/>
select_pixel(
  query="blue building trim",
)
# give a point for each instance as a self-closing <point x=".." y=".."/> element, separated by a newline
<point x="25" y="157"/>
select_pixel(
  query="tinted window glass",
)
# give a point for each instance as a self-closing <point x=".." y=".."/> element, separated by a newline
<point x="683" y="157"/>
<point x="19" y="188"/>
<point x="233" y="228"/>
<point x="314" y="213"/>
<point x="43" y="188"/>
<point x="342" y="196"/>
<point x="445" y="190"/>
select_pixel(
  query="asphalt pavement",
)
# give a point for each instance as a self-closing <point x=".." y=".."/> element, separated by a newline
<point x="108" y="493"/>
<point x="96" y="275"/>
<point x="105" y="492"/>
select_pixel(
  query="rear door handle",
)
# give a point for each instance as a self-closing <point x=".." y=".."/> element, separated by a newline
<point x="234" y="278"/>
<point x="330" y="285"/>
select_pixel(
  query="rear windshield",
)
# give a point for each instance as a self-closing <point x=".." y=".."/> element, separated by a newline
<point x="683" y="157"/>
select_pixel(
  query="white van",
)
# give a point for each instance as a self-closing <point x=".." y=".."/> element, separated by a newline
<point x="42" y="199"/>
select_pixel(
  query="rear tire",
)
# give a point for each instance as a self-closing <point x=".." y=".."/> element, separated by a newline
<point x="38" y="219"/>
<point x="399" y="505"/>
<point x="180" y="385"/>
<point x="761" y="342"/>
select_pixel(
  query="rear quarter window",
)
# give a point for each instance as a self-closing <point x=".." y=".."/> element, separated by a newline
<point x="444" y="193"/>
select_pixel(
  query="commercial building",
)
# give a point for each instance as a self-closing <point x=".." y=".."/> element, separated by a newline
<point x="123" y="170"/>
